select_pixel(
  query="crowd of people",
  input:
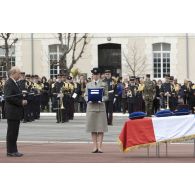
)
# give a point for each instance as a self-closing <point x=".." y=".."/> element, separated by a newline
<point x="24" y="96"/>
<point x="65" y="95"/>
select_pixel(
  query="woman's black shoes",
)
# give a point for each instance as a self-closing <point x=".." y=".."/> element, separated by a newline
<point x="95" y="151"/>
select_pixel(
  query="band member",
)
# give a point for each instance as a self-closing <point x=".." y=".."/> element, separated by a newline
<point x="192" y="98"/>
<point x="45" y="94"/>
<point x="70" y="103"/>
<point x="111" y="95"/>
<point x="156" y="101"/>
<point x="57" y="99"/>
<point x="96" y="112"/>
<point x="38" y="86"/>
<point x="119" y="91"/>
<point x="124" y="95"/>
<point x="140" y="101"/>
<point x="132" y="95"/>
<point x="23" y="87"/>
<point x="166" y="92"/>
<point x="14" y="104"/>
<point x="81" y="92"/>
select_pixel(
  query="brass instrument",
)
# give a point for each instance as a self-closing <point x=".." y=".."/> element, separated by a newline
<point x="135" y="91"/>
<point x="74" y="72"/>
<point x="83" y="86"/>
<point x="177" y="88"/>
<point x="129" y="93"/>
<point x="141" y="87"/>
<point x="114" y="80"/>
<point x="193" y="86"/>
<point x="60" y="95"/>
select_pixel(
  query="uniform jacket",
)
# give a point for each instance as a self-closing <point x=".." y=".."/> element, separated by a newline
<point x="13" y="105"/>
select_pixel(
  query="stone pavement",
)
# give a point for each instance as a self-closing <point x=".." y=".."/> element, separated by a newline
<point x="81" y="153"/>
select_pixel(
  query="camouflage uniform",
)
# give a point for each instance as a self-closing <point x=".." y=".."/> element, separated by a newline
<point x="148" y="95"/>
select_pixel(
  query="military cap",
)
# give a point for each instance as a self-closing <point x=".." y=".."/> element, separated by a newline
<point x="167" y="75"/>
<point x="36" y="76"/>
<point x="148" y="75"/>
<point x="27" y="75"/>
<point x="171" y="78"/>
<point x="107" y="71"/>
<point x="69" y="78"/>
<point x="22" y="73"/>
<point x="95" y="71"/>
<point x="132" y="78"/>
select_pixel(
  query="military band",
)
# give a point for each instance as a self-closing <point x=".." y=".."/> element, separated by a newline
<point x="124" y="95"/>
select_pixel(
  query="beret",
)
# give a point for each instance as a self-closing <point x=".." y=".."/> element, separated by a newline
<point x="137" y="115"/>
<point x="181" y="111"/>
<point x="163" y="113"/>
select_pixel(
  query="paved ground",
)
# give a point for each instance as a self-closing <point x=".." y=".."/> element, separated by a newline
<point x="45" y="141"/>
<point x="81" y="153"/>
<point x="46" y="129"/>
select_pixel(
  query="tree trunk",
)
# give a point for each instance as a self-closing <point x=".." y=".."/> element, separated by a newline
<point x="8" y="65"/>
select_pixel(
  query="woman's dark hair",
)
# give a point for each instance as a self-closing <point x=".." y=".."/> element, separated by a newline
<point x="43" y="78"/>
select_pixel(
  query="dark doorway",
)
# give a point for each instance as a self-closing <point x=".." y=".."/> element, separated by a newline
<point x="109" y="57"/>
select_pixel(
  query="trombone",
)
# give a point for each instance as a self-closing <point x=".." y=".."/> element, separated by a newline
<point x="61" y="100"/>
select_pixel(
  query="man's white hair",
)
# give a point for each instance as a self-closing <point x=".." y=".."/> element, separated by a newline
<point x="13" y="70"/>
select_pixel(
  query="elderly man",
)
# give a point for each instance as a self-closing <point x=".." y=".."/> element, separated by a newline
<point x="14" y="104"/>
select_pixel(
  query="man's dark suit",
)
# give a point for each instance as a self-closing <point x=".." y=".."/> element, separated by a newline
<point x="14" y="113"/>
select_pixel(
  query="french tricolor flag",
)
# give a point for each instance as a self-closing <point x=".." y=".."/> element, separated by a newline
<point x="147" y="131"/>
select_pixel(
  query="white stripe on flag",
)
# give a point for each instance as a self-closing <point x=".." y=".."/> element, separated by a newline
<point x="173" y="127"/>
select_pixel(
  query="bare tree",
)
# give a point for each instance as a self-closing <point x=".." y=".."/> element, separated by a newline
<point x="73" y="46"/>
<point x="8" y="42"/>
<point x="136" y="62"/>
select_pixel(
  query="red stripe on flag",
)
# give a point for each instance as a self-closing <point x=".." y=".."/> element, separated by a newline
<point x="137" y="132"/>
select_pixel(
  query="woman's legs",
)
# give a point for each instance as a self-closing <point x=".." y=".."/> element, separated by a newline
<point x="100" y="140"/>
<point x="94" y="136"/>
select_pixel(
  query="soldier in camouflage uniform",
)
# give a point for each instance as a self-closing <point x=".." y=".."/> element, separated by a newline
<point x="148" y="95"/>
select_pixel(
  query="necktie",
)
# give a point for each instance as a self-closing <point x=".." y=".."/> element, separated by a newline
<point x="95" y="83"/>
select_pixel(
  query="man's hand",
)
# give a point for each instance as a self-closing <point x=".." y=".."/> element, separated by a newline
<point x="24" y="102"/>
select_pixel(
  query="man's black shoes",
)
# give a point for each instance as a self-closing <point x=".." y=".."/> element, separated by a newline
<point x="15" y="154"/>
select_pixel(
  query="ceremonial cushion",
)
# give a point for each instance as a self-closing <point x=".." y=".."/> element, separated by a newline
<point x="163" y="113"/>
<point x="182" y="111"/>
<point x="137" y="115"/>
<point x="95" y="94"/>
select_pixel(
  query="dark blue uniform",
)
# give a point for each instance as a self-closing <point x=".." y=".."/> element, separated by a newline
<point x="167" y="87"/>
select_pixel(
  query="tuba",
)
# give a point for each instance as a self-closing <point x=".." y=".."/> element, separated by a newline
<point x="74" y="72"/>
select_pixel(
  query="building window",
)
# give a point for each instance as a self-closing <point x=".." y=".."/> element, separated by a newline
<point x="12" y="60"/>
<point x="55" y="53"/>
<point x="161" y="59"/>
